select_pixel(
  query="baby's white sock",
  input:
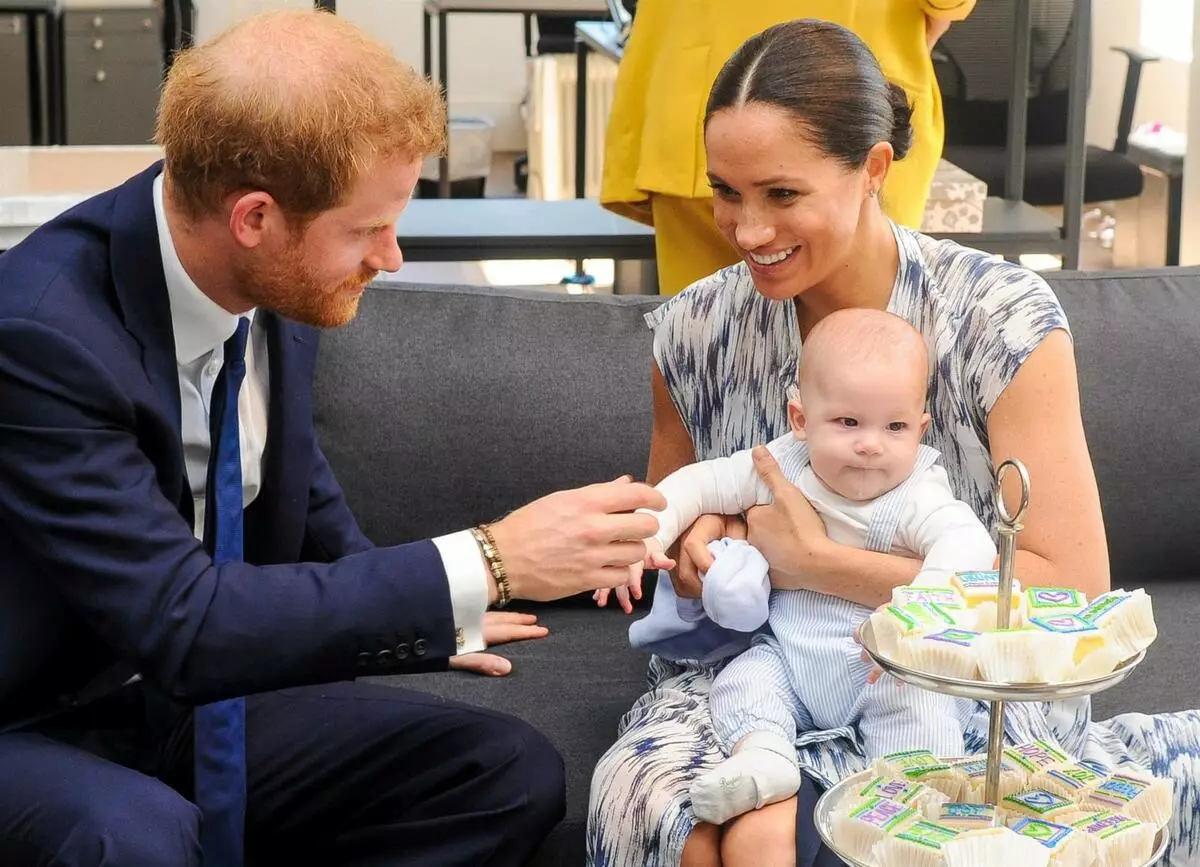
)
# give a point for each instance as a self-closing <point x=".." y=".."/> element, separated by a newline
<point x="763" y="771"/>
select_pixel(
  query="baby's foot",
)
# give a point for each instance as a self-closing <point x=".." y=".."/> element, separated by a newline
<point x="748" y="780"/>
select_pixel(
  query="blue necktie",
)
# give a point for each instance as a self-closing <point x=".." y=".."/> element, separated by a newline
<point x="220" y="728"/>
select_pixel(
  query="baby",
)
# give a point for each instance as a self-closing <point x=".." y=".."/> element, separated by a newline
<point x="855" y="451"/>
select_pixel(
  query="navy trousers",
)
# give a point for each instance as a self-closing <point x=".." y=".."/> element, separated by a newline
<point x="348" y="774"/>
<point x="810" y="851"/>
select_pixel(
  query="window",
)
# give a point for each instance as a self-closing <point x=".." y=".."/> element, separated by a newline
<point x="1167" y="28"/>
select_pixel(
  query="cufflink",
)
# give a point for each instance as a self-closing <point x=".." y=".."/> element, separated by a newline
<point x="460" y="639"/>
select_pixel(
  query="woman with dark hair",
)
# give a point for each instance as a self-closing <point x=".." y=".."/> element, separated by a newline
<point x="654" y="167"/>
<point x="801" y="130"/>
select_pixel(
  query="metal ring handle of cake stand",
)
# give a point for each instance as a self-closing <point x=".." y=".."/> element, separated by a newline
<point x="1008" y="526"/>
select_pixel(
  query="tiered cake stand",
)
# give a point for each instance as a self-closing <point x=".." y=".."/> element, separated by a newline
<point x="994" y="693"/>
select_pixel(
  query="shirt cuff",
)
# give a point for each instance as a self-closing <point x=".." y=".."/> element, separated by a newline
<point x="468" y="579"/>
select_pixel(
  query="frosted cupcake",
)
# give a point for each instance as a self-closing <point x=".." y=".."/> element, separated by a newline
<point x="1036" y="756"/>
<point x="1137" y="795"/>
<point x="974" y="771"/>
<point x="947" y="597"/>
<point x="916" y="845"/>
<point x="994" y="847"/>
<point x="1091" y="653"/>
<point x="1051" y="602"/>
<point x="1025" y="655"/>
<point x="981" y="590"/>
<point x="1118" y="839"/>
<point x="925" y="799"/>
<point x="893" y="622"/>
<point x="949" y="653"/>
<point x="1039" y="804"/>
<point x="921" y="766"/>
<point x="869" y="821"/>
<point x="1067" y="846"/>
<point x="1126" y="618"/>
<point x="968" y="816"/>
<point x="944" y="597"/>
<point x="1073" y="782"/>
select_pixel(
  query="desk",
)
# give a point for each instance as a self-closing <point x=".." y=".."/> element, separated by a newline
<point x="1171" y="166"/>
<point x="526" y="8"/>
<point x="1010" y="228"/>
<point x="45" y="128"/>
<point x="438" y="230"/>
<point x="448" y="230"/>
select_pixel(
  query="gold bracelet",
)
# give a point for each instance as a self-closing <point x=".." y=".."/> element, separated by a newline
<point x="491" y="554"/>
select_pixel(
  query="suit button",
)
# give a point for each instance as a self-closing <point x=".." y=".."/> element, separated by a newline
<point x="401" y="651"/>
<point x="419" y="647"/>
<point x="364" y="659"/>
<point x="384" y="657"/>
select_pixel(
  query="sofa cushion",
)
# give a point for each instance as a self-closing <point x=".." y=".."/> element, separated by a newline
<point x="1168" y="680"/>
<point x="1137" y="346"/>
<point x="440" y="408"/>
<point x="573" y="686"/>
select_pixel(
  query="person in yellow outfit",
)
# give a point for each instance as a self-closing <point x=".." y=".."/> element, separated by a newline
<point x="654" y="168"/>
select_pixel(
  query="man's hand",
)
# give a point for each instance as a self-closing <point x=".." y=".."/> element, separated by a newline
<point x="572" y="541"/>
<point x="935" y="29"/>
<point x="788" y="532"/>
<point x="499" y="627"/>
<point x="694" y="556"/>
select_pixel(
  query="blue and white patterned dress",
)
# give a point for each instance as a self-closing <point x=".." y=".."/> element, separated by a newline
<point x="728" y="356"/>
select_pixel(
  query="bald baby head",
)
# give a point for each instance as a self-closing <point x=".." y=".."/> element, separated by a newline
<point x="297" y="103"/>
<point x="861" y="407"/>
<point x="858" y="337"/>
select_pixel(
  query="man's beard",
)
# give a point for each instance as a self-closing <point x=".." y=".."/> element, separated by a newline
<point x="289" y="287"/>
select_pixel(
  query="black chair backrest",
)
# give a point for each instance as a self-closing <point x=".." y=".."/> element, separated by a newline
<point x="973" y="64"/>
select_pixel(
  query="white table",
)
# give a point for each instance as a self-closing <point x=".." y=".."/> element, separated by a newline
<point x="443" y="9"/>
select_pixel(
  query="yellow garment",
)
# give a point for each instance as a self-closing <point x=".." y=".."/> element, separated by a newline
<point x="655" y="140"/>
<point x="694" y="247"/>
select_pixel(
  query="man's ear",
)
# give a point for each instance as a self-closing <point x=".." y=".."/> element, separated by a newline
<point x="250" y="217"/>
<point x="797" y="420"/>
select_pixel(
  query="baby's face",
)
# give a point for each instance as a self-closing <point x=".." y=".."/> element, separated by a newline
<point x="863" y="427"/>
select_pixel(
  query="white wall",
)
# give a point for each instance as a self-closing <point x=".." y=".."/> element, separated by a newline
<point x="487" y="52"/>
<point x="1163" y="95"/>
<point x="1189" y="253"/>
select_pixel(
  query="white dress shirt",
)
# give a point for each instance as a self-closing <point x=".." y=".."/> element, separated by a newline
<point x="201" y="327"/>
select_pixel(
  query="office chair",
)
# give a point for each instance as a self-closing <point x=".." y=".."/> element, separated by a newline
<point x="178" y="27"/>
<point x="974" y="66"/>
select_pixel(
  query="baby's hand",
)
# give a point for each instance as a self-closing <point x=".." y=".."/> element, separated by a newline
<point x="656" y="558"/>
<point x="632" y="590"/>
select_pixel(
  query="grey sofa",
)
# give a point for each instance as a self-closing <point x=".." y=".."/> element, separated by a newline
<point x="442" y="407"/>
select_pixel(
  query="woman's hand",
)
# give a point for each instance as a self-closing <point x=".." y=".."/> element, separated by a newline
<point x="694" y="557"/>
<point x="935" y="29"/>
<point x="788" y="532"/>
<point x="875" y="671"/>
<point x="499" y="627"/>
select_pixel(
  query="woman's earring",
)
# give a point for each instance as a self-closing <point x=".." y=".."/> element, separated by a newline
<point x="872" y="192"/>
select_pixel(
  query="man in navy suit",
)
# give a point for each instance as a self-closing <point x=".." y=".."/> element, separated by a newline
<point x="292" y="143"/>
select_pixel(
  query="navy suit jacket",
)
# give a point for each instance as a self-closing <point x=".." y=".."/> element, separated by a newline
<point x="99" y="567"/>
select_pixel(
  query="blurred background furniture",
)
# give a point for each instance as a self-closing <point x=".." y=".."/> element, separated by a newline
<point x="975" y="69"/>
<point x="551" y="13"/>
